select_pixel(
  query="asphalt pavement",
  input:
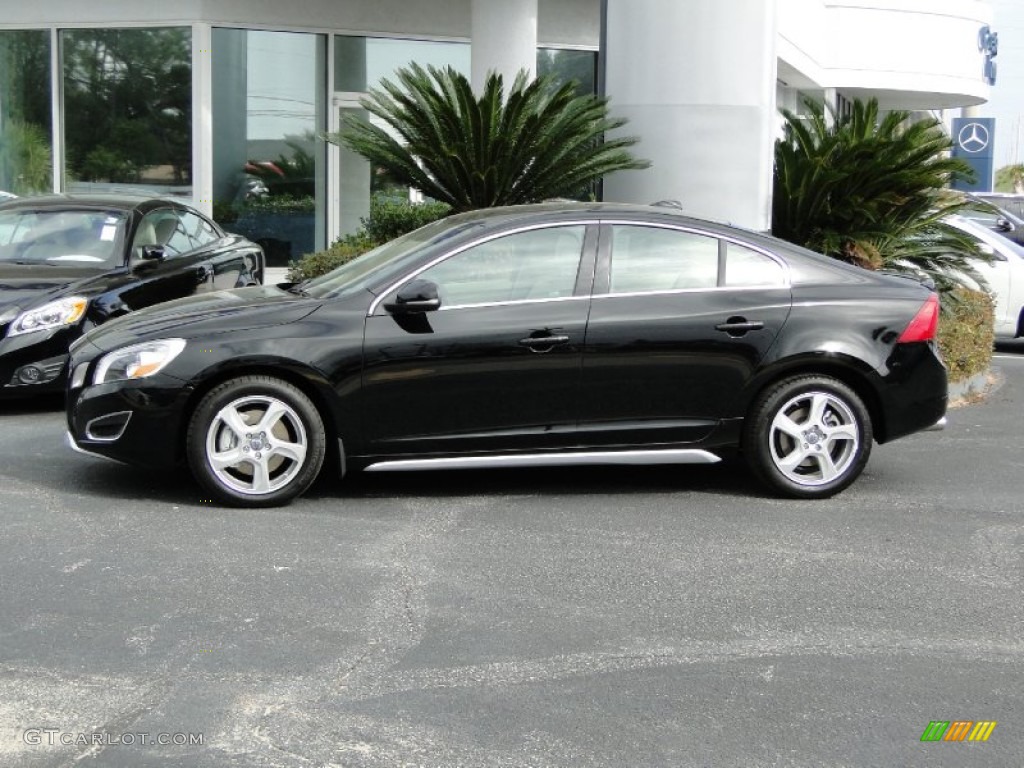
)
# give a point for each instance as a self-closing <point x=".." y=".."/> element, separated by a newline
<point x="666" y="616"/>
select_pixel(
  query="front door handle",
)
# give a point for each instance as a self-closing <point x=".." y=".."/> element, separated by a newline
<point x="543" y="343"/>
<point x="738" y="326"/>
<point x="203" y="273"/>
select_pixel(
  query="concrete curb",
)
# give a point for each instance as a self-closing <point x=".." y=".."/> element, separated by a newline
<point x="975" y="386"/>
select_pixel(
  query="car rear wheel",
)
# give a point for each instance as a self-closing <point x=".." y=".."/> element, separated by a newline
<point x="808" y="437"/>
<point x="255" y="441"/>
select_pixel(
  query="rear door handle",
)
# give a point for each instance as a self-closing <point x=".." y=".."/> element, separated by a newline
<point x="738" y="326"/>
<point x="543" y="343"/>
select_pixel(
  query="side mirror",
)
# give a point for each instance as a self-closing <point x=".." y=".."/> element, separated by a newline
<point x="416" y="296"/>
<point x="153" y="253"/>
<point x="1004" y="225"/>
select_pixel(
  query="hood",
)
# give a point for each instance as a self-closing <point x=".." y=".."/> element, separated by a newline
<point x="26" y="285"/>
<point x="209" y="313"/>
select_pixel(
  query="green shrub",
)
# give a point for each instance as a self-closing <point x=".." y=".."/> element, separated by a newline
<point x="391" y="217"/>
<point x="283" y="205"/>
<point x="966" y="333"/>
<point x="320" y="263"/>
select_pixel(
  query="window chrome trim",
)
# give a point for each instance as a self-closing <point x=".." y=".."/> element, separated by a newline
<point x="721" y="237"/>
<point x="513" y="302"/>
<point x="480" y="241"/>
<point x="672" y="291"/>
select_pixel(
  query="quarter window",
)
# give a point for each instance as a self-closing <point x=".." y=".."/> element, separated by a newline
<point x="533" y="265"/>
<point x="745" y="267"/>
<point x="651" y="259"/>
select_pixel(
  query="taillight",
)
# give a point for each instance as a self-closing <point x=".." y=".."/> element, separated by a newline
<point x="924" y="324"/>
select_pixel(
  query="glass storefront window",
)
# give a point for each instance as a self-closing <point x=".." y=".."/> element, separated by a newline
<point x="567" y="65"/>
<point x="26" y="151"/>
<point x="128" y="109"/>
<point x="361" y="63"/>
<point x="268" y="162"/>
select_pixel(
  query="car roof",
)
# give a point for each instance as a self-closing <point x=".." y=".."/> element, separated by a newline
<point x="119" y="201"/>
<point x="666" y="212"/>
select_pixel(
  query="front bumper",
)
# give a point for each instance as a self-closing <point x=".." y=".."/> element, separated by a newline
<point x="34" y="363"/>
<point x="135" y="422"/>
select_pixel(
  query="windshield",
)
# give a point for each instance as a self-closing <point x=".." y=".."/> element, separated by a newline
<point x="385" y="260"/>
<point x="91" y="239"/>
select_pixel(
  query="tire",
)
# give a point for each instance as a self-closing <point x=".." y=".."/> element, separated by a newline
<point x="241" y="457"/>
<point x="808" y="437"/>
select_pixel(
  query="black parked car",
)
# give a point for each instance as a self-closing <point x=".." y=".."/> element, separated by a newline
<point x="68" y="264"/>
<point x="539" y="335"/>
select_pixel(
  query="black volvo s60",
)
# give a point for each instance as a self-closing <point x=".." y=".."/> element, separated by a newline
<point x="69" y="263"/>
<point x="535" y="335"/>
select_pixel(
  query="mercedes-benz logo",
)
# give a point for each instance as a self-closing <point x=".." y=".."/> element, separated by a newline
<point x="973" y="138"/>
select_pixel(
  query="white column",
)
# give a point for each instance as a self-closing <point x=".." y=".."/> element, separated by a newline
<point x="697" y="82"/>
<point x="202" y="117"/>
<point x="504" y="39"/>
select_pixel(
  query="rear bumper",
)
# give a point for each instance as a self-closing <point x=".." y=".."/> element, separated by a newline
<point x="915" y="394"/>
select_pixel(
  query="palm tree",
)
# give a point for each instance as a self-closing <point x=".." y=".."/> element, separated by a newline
<point x="540" y="142"/>
<point x="872" y="190"/>
<point x="1010" y="178"/>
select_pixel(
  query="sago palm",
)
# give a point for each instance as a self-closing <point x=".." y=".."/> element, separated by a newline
<point x="434" y="134"/>
<point x="1010" y="178"/>
<point x="872" y="190"/>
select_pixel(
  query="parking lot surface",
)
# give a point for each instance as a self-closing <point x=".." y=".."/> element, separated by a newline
<point x="666" y="616"/>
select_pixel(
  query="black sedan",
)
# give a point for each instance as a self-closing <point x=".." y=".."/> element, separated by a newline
<point x="68" y="264"/>
<point x="539" y="335"/>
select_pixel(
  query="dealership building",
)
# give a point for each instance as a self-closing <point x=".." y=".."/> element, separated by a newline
<point x="226" y="102"/>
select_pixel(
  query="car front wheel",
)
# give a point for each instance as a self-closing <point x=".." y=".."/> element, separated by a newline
<point x="255" y="441"/>
<point x="808" y="437"/>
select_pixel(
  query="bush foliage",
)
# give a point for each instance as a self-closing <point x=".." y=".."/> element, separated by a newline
<point x="389" y="218"/>
<point x="320" y="263"/>
<point x="966" y="333"/>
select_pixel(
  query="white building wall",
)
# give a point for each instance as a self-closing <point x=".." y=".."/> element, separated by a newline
<point x="910" y="54"/>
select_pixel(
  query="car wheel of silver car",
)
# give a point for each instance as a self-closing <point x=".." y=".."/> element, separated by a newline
<point x="808" y="436"/>
<point x="255" y="441"/>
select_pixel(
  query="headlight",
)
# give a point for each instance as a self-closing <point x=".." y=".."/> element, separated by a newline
<point x="138" y="360"/>
<point x="53" y="315"/>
